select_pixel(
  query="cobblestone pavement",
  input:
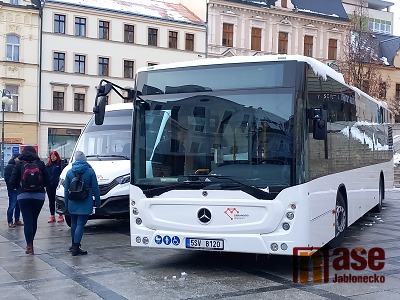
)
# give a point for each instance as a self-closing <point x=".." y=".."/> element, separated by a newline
<point x="115" y="270"/>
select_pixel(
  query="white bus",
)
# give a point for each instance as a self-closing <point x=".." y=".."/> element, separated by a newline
<point x="253" y="154"/>
<point x="107" y="148"/>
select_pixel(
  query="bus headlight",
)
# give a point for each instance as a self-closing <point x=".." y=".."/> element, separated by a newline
<point x="284" y="246"/>
<point x="286" y="226"/>
<point x="138" y="221"/>
<point x="133" y="203"/>
<point x="290" y="215"/>
<point x="123" y="179"/>
<point x="145" y="240"/>
<point x="138" y="239"/>
<point x="274" y="247"/>
<point x="135" y="211"/>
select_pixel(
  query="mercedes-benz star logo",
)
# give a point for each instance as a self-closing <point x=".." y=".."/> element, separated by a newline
<point x="204" y="215"/>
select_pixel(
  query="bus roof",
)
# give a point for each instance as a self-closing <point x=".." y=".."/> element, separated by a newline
<point x="318" y="67"/>
<point x="119" y="106"/>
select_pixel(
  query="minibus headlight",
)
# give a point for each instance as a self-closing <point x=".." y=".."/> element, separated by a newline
<point x="123" y="179"/>
<point x="61" y="182"/>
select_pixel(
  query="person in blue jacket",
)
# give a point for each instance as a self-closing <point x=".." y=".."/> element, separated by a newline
<point x="81" y="209"/>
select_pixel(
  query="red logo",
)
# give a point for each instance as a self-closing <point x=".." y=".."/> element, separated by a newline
<point x="230" y="212"/>
<point x="312" y="264"/>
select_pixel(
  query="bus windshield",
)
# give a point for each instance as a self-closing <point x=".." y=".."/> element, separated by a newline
<point x="110" y="141"/>
<point x="242" y="134"/>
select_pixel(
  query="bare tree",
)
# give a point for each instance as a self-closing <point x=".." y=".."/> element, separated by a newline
<point x="360" y="63"/>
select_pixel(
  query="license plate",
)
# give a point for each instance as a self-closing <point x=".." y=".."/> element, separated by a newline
<point x="211" y="244"/>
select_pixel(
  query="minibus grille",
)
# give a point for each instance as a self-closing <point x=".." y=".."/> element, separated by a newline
<point x="105" y="188"/>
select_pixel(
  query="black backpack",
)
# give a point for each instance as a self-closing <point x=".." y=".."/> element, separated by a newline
<point x="31" y="176"/>
<point x="77" y="188"/>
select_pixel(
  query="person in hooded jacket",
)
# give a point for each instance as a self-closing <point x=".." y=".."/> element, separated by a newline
<point x="80" y="210"/>
<point x="30" y="201"/>
<point x="13" y="207"/>
<point x="54" y="168"/>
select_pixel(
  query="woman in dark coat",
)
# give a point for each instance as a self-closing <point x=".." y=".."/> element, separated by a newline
<point x="30" y="198"/>
<point x="13" y="207"/>
<point x="54" y="168"/>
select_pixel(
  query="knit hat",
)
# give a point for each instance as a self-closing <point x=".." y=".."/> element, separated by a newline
<point x="80" y="156"/>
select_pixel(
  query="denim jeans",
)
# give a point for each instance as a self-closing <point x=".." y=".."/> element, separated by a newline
<point x="78" y="223"/>
<point x="51" y="194"/>
<point x="30" y="209"/>
<point x="13" y="207"/>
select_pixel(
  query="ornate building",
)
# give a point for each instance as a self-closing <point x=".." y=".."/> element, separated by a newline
<point x="19" y="72"/>
<point x="248" y="27"/>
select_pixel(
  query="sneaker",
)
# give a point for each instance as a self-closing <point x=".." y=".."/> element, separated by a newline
<point x="19" y="223"/>
<point x="11" y="225"/>
<point x="60" y="219"/>
<point x="52" y="219"/>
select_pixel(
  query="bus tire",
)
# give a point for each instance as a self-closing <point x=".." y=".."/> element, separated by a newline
<point x="381" y="196"/>
<point x="68" y="220"/>
<point x="340" y="221"/>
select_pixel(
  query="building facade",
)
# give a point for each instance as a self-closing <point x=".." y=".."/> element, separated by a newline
<point x="19" y="72"/>
<point x="246" y="27"/>
<point x="84" y="42"/>
<point x="380" y="18"/>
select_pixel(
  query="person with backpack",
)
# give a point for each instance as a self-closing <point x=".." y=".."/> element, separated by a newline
<point x="13" y="207"/>
<point x="30" y="177"/>
<point x="80" y="187"/>
<point x="54" y="168"/>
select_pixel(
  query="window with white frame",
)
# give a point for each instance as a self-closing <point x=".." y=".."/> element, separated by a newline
<point x="13" y="89"/>
<point x="16" y="2"/>
<point x="12" y="45"/>
<point x="380" y="25"/>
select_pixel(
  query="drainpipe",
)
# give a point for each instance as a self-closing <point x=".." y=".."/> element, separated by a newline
<point x="207" y="7"/>
<point x="40" y="61"/>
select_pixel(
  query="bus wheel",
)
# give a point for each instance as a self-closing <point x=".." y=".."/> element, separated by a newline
<point x="68" y="220"/>
<point x="381" y="196"/>
<point x="340" y="221"/>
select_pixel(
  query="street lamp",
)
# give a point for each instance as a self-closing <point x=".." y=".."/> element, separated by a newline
<point x="5" y="100"/>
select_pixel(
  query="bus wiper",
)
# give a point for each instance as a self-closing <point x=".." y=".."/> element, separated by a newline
<point x="251" y="190"/>
<point x="151" y="192"/>
<point x="97" y="156"/>
<point x="109" y="155"/>
<point x="115" y="155"/>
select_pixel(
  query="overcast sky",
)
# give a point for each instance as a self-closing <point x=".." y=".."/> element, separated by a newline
<point x="396" y="10"/>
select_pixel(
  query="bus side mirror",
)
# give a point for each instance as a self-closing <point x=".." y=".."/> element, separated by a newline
<point x="99" y="110"/>
<point x="320" y="122"/>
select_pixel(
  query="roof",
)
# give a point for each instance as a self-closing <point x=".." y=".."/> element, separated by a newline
<point x="322" y="8"/>
<point x="389" y="45"/>
<point x="328" y="8"/>
<point x="156" y="9"/>
<point x="379" y="4"/>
